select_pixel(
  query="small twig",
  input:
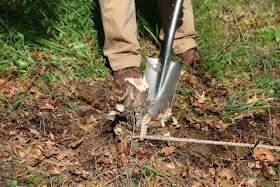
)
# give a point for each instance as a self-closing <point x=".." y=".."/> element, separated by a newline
<point x="115" y="178"/>
<point x="131" y="139"/>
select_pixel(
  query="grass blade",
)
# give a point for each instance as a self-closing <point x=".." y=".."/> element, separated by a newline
<point x="143" y="167"/>
<point x="18" y="102"/>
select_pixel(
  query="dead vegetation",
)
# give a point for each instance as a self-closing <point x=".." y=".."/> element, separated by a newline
<point x="47" y="140"/>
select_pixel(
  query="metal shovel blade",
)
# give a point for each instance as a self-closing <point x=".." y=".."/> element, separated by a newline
<point x="161" y="95"/>
<point x="163" y="74"/>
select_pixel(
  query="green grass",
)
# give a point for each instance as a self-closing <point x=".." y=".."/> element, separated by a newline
<point x="231" y="49"/>
<point x="31" y="176"/>
<point x="236" y="40"/>
<point x="63" y="30"/>
<point x="14" y="173"/>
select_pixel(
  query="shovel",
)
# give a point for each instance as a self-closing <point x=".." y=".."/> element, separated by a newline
<point x="163" y="74"/>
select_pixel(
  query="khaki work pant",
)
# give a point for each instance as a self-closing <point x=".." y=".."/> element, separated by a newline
<point x="119" y="22"/>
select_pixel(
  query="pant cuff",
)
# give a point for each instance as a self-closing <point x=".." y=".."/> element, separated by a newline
<point x="128" y="61"/>
<point x="183" y="45"/>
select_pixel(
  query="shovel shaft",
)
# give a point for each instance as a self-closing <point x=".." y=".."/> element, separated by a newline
<point x="163" y="74"/>
<point x="169" y="37"/>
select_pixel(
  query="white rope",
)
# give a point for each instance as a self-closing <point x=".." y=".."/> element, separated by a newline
<point x="143" y="135"/>
<point x="190" y="140"/>
<point x="146" y="119"/>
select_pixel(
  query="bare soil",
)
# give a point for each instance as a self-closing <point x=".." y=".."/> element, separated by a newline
<point x="54" y="143"/>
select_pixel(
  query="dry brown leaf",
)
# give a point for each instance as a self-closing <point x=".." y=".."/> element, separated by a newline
<point x="123" y="145"/>
<point x="196" y="184"/>
<point x="244" y="115"/>
<point x="45" y="106"/>
<point x="167" y="134"/>
<point x="268" y="99"/>
<point x="252" y="99"/>
<point x="2" y="81"/>
<point x="255" y="164"/>
<point x="164" y="117"/>
<point x="34" y="131"/>
<point x="78" y="171"/>
<point x="222" y="125"/>
<point x="42" y="57"/>
<point x="9" y="88"/>
<point x="167" y="150"/>
<point x="225" y="17"/>
<point x="35" y="147"/>
<point x="40" y="69"/>
<point x="120" y="107"/>
<point x="51" y="136"/>
<point x="65" y="153"/>
<point x="55" y="171"/>
<point x="151" y="181"/>
<point x="86" y="128"/>
<point x="227" y="177"/>
<point x="11" y="133"/>
<point x="200" y="98"/>
<point x="175" y="121"/>
<point x="196" y="104"/>
<point x="250" y="182"/>
<point x="170" y="166"/>
<point x="141" y="153"/>
<point x="199" y="172"/>
<point x="52" y="151"/>
<point x="268" y="172"/>
<point x="20" y="138"/>
<point x="219" y="104"/>
<point x="118" y="130"/>
<point x="88" y="120"/>
<point x="108" y="159"/>
<point x="18" y="150"/>
<point x="188" y="168"/>
<point x="77" y="143"/>
<point x="263" y="154"/>
<point x="211" y="171"/>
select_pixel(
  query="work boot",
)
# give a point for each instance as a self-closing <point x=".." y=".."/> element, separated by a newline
<point x="133" y="98"/>
<point x="190" y="57"/>
<point x="121" y="75"/>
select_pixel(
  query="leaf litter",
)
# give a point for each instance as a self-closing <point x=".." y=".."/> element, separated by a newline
<point x="87" y="148"/>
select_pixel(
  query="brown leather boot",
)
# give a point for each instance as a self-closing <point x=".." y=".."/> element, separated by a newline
<point x="132" y="97"/>
<point x="121" y="75"/>
<point x="190" y="57"/>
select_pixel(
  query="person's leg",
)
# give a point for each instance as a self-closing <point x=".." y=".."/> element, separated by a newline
<point x="122" y="49"/>
<point x="119" y="22"/>
<point x="184" y="40"/>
